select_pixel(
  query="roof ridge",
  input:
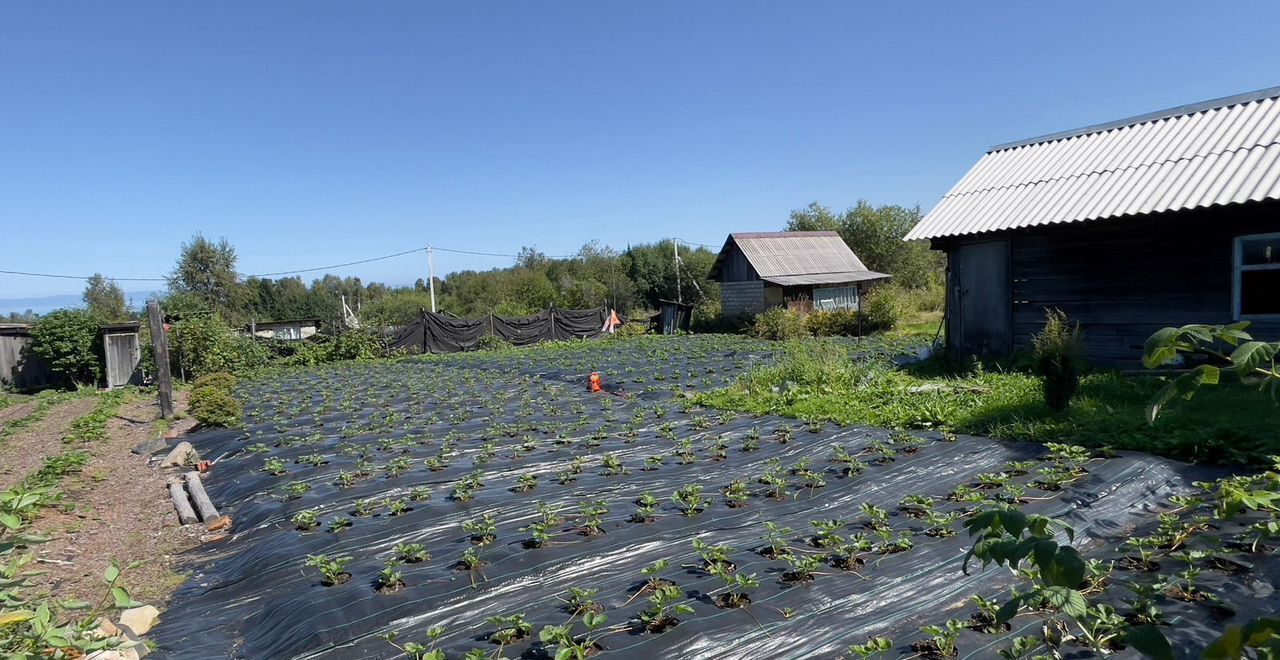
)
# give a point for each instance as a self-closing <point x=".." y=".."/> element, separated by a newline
<point x="1147" y="117"/>
<point x="1023" y="184"/>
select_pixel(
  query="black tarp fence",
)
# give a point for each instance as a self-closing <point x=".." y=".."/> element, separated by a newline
<point x="434" y="332"/>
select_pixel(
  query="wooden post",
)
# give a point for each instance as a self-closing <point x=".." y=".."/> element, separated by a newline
<point x="160" y="349"/>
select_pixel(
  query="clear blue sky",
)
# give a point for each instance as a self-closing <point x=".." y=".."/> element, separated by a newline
<point x="313" y="132"/>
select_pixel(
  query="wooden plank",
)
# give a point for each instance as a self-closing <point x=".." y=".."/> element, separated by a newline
<point x="160" y="348"/>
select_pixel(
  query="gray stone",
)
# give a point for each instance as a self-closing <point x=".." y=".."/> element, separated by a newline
<point x="139" y="619"/>
<point x="182" y="455"/>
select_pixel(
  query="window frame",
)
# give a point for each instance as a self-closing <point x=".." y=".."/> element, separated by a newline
<point x="1238" y="267"/>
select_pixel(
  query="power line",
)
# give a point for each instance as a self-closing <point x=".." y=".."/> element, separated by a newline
<point x="349" y="263"/>
<point x="79" y="277"/>
<point x="314" y="269"/>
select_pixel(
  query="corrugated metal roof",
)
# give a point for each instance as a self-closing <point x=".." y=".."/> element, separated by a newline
<point x="792" y="254"/>
<point x="824" y="278"/>
<point x="1217" y="152"/>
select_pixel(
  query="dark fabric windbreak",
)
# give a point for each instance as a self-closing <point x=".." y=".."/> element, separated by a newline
<point x="523" y="330"/>
<point x="439" y="333"/>
<point x="578" y="323"/>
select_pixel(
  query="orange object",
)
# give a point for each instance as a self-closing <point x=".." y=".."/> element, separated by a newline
<point x="593" y="383"/>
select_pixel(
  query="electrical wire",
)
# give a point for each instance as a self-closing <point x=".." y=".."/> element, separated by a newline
<point x="317" y="268"/>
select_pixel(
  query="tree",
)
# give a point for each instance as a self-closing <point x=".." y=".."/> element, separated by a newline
<point x="105" y="299"/>
<point x="207" y="271"/>
<point x="68" y="340"/>
<point x="874" y="233"/>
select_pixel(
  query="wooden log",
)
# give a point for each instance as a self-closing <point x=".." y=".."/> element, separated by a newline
<point x="186" y="515"/>
<point x="160" y="347"/>
<point x="208" y="512"/>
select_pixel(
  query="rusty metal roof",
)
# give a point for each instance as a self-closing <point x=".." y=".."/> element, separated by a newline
<point x="797" y="257"/>
<point x="1217" y="152"/>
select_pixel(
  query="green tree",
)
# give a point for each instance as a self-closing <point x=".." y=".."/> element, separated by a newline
<point x="207" y="271"/>
<point x="68" y="340"/>
<point x="874" y="233"/>
<point x="105" y="299"/>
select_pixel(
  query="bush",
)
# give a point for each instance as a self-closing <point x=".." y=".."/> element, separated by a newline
<point x="632" y="329"/>
<point x="220" y="380"/>
<point x="358" y="344"/>
<point x="492" y="343"/>
<point x="840" y="323"/>
<point x="205" y="344"/>
<point x="778" y="323"/>
<point x="68" y="340"/>
<point x="882" y="307"/>
<point x="1058" y="355"/>
<point x="215" y="406"/>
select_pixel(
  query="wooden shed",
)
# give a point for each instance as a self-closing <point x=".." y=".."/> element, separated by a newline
<point x="19" y="367"/>
<point x="122" y="354"/>
<point x="802" y="269"/>
<point x="1162" y="219"/>
<point x="288" y="330"/>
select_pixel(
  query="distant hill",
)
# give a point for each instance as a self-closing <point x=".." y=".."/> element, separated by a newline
<point x="45" y="304"/>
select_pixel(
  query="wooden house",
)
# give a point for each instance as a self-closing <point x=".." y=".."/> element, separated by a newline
<point x="802" y="269"/>
<point x="1162" y="219"/>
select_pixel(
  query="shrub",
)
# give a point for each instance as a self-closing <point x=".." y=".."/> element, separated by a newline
<point x="358" y="344"/>
<point x="220" y="380"/>
<point x="632" y="329"/>
<point x="840" y="323"/>
<point x="492" y="343"/>
<point x="882" y="307"/>
<point x="778" y="323"/>
<point x="68" y="340"/>
<point x="212" y="403"/>
<point x="1058" y="354"/>
<point x="205" y="344"/>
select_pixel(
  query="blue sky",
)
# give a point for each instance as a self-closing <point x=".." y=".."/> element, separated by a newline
<point x="314" y="132"/>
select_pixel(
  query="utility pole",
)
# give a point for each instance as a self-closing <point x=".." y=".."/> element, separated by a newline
<point x="675" y="249"/>
<point x="160" y="349"/>
<point x="431" y="279"/>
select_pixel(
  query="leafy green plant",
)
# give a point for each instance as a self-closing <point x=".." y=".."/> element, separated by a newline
<point x="333" y="570"/>
<point x="1058" y="351"/>
<point x="68" y="340"/>
<point x="664" y="608"/>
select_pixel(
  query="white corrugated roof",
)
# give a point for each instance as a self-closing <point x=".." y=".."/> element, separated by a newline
<point x="1217" y="152"/>
<point x="797" y="257"/>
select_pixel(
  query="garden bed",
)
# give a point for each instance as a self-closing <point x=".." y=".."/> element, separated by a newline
<point x="500" y="484"/>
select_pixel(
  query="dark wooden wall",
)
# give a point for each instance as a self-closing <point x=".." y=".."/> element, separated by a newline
<point x="1123" y="279"/>
<point x="736" y="268"/>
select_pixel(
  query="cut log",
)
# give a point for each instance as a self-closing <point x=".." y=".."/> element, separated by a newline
<point x="186" y="515"/>
<point x="208" y="512"/>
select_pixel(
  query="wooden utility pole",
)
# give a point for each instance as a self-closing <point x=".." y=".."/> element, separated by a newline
<point x="675" y="250"/>
<point x="160" y="349"/>
<point x="431" y="279"/>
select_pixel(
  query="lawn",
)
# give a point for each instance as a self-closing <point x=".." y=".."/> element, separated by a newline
<point x="1229" y="424"/>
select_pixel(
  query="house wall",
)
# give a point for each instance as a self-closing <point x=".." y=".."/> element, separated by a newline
<point x="736" y="268"/>
<point x="1124" y="279"/>
<point x="741" y="298"/>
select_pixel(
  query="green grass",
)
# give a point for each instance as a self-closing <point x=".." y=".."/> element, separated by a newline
<point x="1227" y="424"/>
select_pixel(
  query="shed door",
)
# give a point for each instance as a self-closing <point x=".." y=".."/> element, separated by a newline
<point x="123" y="355"/>
<point x="980" y="293"/>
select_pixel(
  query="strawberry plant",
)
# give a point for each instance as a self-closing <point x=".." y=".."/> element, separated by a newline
<point x="736" y="586"/>
<point x="306" y="519"/>
<point x="736" y="494"/>
<point x="646" y="505"/>
<point x="689" y="499"/>
<point x="483" y="530"/>
<point x="875" y="647"/>
<point x="567" y="646"/>
<point x="338" y="524"/>
<point x="803" y="567"/>
<point x="940" y="641"/>
<point x="411" y="553"/>
<point x="777" y="541"/>
<point x="332" y="569"/>
<point x="510" y="629"/>
<point x="416" y="651"/>
<point x="664" y="608"/>
<point x="390" y="578"/>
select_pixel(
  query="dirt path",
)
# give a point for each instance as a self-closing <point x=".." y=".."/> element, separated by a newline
<point x="116" y="509"/>
<point x="16" y="411"/>
<point x="23" y="452"/>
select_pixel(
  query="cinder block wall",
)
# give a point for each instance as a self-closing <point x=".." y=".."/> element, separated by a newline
<point x="741" y="297"/>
